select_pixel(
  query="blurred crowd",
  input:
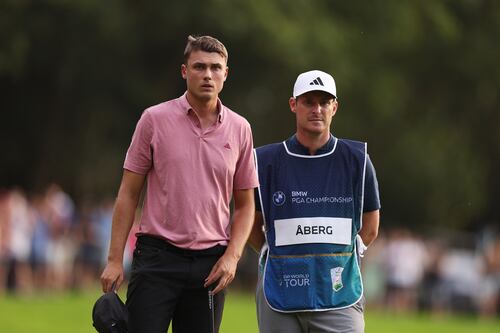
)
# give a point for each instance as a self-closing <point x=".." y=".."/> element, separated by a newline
<point x="47" y="243"/>
<point x="444" y="273"/>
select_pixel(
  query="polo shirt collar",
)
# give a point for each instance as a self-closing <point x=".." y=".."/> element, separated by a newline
<point x="186" y="107"/>
<point x="294" y="146"/>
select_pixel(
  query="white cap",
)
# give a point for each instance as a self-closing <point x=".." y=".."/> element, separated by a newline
<point x="312" y="81"/>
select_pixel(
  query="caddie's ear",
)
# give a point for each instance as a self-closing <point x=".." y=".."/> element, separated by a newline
<point x="335" y="106"/>
<point x="293" y="103"/>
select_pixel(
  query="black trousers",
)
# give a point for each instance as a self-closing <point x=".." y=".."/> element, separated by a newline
<point x="166" y="285"/>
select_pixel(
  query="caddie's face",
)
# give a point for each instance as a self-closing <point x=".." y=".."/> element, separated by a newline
<point x="314" y="111"/>
<point x="205" y="73"/>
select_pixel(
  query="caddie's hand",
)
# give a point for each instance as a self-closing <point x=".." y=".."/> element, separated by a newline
<point x="223" y="272"/>
<point x="112" y="277"/>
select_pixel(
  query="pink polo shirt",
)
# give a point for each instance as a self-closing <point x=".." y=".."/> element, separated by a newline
<point x="191" y="172"/>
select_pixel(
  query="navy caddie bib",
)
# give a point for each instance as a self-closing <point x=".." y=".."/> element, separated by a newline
<point x="312" y="209"/>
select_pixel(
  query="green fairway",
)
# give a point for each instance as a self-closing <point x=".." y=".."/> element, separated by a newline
<point x="71" y="312"/>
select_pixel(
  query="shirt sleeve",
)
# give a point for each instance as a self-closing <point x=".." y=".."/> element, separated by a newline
<point x="245" y="176"/>
<point x="257" y="200"/>
<point x="140" y="153"/>
<point x="371" y="197"/>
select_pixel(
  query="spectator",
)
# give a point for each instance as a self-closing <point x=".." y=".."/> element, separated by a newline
<point x="61" y="247"/>
<point x="405" y="263"/>
<point x="20" y="229"/>
<point x="489" y="294"/>
<point x="40" y="242"/>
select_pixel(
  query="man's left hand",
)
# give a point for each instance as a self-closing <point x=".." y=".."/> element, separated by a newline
<point x="223" y="271"/>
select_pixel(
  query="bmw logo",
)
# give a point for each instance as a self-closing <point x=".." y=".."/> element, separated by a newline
<point x="278" y="198"/>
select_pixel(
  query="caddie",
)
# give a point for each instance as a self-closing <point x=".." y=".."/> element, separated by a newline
<point x="317" y="211"/>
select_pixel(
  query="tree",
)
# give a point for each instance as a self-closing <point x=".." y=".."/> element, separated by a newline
<point x="418" y="81"/>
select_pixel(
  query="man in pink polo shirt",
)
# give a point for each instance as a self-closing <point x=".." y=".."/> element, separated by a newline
<point x="195" y="155"/>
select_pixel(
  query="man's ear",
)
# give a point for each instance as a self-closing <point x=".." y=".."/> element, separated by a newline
<point x="293" y="103"/>
<point x="183" y="71"/>
<point x="335" y="107"/>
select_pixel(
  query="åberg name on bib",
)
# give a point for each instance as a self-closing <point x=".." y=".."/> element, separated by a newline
<point x="332" y="230"/>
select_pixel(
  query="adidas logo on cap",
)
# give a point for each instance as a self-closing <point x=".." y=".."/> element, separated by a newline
<point x="314" y="81"/>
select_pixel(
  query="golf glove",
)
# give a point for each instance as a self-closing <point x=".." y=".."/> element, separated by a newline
<point x="360" y="246"/>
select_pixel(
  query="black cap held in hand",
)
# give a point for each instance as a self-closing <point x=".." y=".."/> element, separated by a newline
<point x="109" y="314"/>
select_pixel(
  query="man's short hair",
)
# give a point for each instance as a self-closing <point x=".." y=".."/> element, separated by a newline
<point x="206" y="44"/>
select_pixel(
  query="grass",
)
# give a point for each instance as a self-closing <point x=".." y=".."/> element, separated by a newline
<point x="71" y="312"/>
<point x="378" y="322"/>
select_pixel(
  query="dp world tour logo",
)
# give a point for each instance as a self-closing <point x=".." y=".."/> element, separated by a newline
<point x="278" y="198"/>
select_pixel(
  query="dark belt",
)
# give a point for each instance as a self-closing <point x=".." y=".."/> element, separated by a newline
<point x="161" y="244"/>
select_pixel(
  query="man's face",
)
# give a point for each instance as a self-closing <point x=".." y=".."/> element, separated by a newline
<point x="314" y="112"/>
<point x="205" y="73"/>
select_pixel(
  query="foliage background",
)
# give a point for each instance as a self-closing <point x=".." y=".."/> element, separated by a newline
<point x="418" y="80"/>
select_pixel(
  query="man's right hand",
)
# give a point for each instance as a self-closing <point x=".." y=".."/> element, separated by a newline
<point x="123" y="218"/>
<point x="112" y="275"/>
